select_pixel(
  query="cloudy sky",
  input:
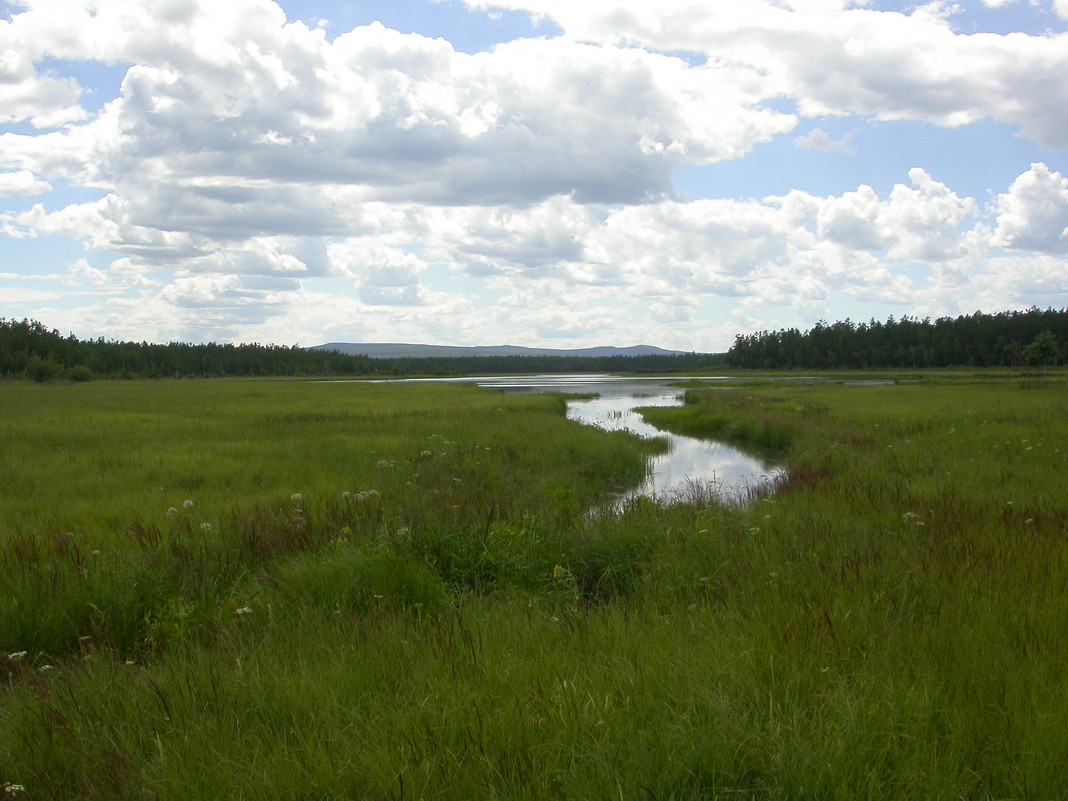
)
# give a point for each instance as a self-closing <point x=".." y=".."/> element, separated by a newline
<point x="563" y="173"/>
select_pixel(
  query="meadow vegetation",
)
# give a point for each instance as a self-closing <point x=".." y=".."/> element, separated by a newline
<point x="265" y="589"/>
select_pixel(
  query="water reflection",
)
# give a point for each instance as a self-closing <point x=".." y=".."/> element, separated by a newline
<point x="690" y="467"/>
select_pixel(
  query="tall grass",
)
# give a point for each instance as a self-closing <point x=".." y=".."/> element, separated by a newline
<point x="437" y="616"/>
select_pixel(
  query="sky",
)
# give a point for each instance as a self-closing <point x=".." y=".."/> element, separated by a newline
<point x="551" y="173"/>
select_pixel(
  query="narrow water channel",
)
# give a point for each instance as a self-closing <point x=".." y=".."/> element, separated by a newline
<point x="690" y="467"/>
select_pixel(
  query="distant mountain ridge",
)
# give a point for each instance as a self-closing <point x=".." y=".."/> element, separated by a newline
<point x="400" y="350"/>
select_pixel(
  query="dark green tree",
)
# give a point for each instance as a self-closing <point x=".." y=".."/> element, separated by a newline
<point x="1043" y="352"/>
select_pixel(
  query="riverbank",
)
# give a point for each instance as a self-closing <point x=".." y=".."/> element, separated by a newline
<point x="354" y="621"/>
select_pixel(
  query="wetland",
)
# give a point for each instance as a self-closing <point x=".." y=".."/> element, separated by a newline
<point x="266" y="589"/>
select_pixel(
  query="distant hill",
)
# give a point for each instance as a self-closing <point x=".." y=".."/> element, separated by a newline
<point x="396" y="350"/>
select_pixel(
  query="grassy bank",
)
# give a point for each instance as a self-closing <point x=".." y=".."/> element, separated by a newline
<point x="395" y="592"/>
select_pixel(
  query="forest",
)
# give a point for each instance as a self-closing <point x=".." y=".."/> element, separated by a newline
<point x="975" y="340"/>
<point x="28" y="349"/>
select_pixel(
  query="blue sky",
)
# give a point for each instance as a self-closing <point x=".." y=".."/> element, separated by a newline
<point x="533" y="172"/>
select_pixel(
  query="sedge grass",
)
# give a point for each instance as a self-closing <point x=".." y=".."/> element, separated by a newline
<point x="891" y="624"/>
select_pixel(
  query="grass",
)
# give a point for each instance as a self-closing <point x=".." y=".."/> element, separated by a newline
<point x="436" y="616"/>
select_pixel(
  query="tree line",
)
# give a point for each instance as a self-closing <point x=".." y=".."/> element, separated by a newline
<point x="974" y="340"/>
<point x="28" y="349"/>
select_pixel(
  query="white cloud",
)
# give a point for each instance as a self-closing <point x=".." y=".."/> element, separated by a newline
<point x="835" y="59"/>
<point x="1033" y="214"/>
<point x="403" y="116"/>
<point x="817" y="139"/>
<point x="22" y="183"/>
<point x="919" y="224"/>
<point x="248" y="164"/>
<point x="202" y="291"/>
<point x="924" y="222"/>
<point x="83" y="272"/>
<point x="43" y="100"/>
<point x="852" y="220"/>
<point x="663" y="261"/>
<point x="384" y="275"/>
<point x="536" y="239"/>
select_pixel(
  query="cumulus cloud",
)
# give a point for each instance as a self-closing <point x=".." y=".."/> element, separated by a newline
<point x="1033" y="214"/>
<point x="402" y="116"/>
<point x="920" y="223"/>
<point x="668" y="258"/>
<point x="22" y="183"/>
<point x="248" y="162"/>
<point x="837" y="58"/>
<point x="587" y="264"/>
<point x="25" y="95"/>
<point x="84" y="273"/>
<point x="383" y="275"/>
<point x="537" y="239"/>
<point x="852" y="220"/>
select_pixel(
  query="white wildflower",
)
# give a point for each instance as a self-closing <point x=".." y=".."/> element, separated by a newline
<point x="205" y="526"/>
<point x="296" y="497"/>
<point x="243" y="610"/>
<point x="187" y="503"/>
<point x="15" y="657"/>
<point x="171" y="510"/>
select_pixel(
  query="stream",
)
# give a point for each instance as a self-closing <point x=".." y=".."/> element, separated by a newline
<point x="691" y="468"/>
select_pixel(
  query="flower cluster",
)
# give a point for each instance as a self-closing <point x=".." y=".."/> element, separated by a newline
<point x="187" y="504"/>
<point x="357" y="497"/>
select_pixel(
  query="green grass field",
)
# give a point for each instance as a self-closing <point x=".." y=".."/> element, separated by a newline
<point x="295" y="590"/>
